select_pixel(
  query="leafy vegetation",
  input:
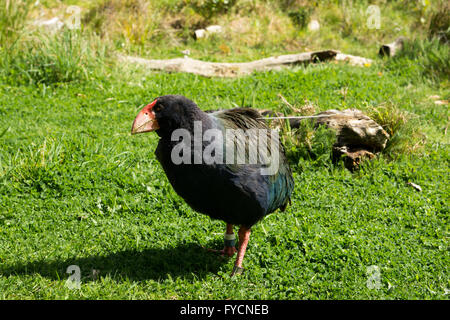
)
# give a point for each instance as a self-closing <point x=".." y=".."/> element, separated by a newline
<point x="439" y="21"/>
<point x="432" y="60"/>
<point x="54" y="58"/>
<point x="13" y="16"/>
<point x="77" y="189"/>
<point x="300" y="17"/>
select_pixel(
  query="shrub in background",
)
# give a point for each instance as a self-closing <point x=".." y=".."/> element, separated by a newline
<point x="211" y="8"/>
<point x="300" y="17"/>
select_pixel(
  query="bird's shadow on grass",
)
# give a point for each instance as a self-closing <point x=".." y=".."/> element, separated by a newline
<point x="185" y="260"/>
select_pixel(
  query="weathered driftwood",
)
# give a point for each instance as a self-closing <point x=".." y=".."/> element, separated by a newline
<point x="358" y="137"/>
<point x="391" y="49"/>
<point x="202" y="33"/>
<point x="354" y="129"/>
<point x="352" y="157"/>
<point x="224" y="69"/>
<point x="353" y="60"/>
<point x="415" y="186"/>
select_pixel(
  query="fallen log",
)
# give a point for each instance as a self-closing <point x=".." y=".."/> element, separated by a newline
<point x="354" y="129"/>
<point x="391" y="49"/>
<point x="229" y="69"/>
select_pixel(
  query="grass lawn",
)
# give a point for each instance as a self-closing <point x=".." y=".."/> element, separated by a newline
<point x="77" y="189"/>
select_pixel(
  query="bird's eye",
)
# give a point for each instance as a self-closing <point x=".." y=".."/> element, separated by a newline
<point x="158" y="108"/>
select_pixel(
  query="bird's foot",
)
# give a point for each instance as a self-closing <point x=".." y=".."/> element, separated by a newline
<point x="237" y="270"/>
<point x="225" y="252"/>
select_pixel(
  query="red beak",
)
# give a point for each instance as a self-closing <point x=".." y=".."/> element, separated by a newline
<point x="145" y="120"/>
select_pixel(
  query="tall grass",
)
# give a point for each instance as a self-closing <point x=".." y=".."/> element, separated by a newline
<point x="403" y="128"/>
<point x="30" y="56"/>
<point x="439" y="24"/>
<point x="66" y="56"/>
<point x="13" y="16"/>
<point x="429" y="59"/>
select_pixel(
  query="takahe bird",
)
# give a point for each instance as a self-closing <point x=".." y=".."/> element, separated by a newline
<point x="232" y="191"/>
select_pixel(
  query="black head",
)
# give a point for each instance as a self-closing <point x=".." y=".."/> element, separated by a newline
<point x="165" y="114"/>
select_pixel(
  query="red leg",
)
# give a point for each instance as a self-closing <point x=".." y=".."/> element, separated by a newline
<point x="227" y="250"/>
<point x="244" y="236"/>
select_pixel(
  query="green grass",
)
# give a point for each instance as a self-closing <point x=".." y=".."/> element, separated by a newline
<point x="77" y="189"/>
<point x="13" y="17"/>
<point x="432" y="60"/>
<point x="42" y="58"/>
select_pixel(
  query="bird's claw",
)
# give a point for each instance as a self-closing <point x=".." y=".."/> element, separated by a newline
<point x="225" y="252"/>
<point x="237" y="270"/>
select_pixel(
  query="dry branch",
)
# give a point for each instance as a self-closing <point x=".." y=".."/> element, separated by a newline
<point x="391" y="49"/>
<point x="224" y="69"/>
